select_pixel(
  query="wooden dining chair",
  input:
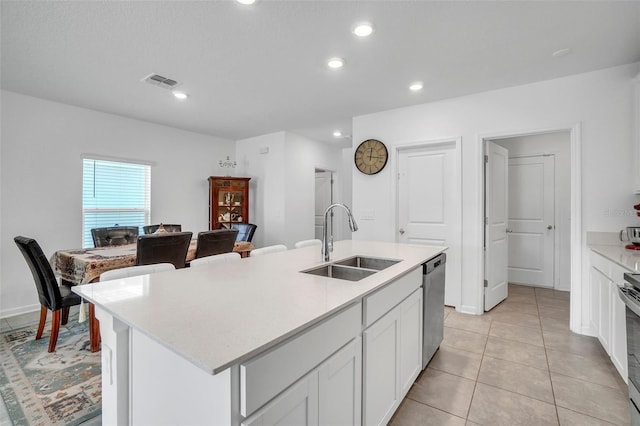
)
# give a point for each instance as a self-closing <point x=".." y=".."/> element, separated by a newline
<point x="217" y="241"/>
<point x="53" y="297"/>
<point x="269" y="249"/>
<point x="171" y="248"/>
<point x="114" y="236"/>
<point x="307" y="243"/>
<point x="215" y="259"/>
<point x="134" y="271"/>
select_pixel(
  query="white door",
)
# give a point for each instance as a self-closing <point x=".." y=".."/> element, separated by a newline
<point x="531" y="220"/>
<point x="429" y="206"/>
<point x="496" y="217"/>
<point x="324" y="198"/>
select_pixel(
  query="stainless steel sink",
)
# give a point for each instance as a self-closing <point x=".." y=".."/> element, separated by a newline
<point x="375" y="263"/>
<point x="340" y="272"/>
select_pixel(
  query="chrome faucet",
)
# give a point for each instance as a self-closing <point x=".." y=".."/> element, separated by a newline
<point x="327" y="246"/>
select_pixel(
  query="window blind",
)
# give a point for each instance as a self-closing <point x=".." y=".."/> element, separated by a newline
<point x="114" y="194"/>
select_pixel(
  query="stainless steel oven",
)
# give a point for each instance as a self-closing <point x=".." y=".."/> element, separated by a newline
<point x="630" y="295"/>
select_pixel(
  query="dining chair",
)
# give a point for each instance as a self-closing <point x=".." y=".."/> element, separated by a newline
<point x="114" y="236"/>
<point x="150" y="229"/>
<point x="307" y="243"/>
<point x="133" y="271"/>
<point x="269" y="249"/>
<point x="215" y="242"/>
<point x="215" y="259"/>
<point x="53" y="297"/>
<point x="245" y="231"/>
<point x="171" y="247"/>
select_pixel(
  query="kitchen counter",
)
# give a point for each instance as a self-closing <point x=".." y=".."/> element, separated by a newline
<point x="628" y="259"/>
<point x="218" y="316"/>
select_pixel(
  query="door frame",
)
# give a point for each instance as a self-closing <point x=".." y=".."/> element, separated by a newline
<point x="335" y="221"/>
<point x="575" y="304"/>
<point x="456" y="142"/>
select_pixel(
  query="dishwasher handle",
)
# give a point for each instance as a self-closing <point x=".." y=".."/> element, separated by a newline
<point x="433" y="263"/>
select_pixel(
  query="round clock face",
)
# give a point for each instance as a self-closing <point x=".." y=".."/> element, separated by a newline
<point x="371" y="156"/>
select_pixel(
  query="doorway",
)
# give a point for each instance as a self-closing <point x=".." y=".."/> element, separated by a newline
<point x="323" y="199"/>
<point x="540" y="210"/>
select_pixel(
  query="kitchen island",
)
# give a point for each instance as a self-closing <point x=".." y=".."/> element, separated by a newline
<point x="259" y="341"/>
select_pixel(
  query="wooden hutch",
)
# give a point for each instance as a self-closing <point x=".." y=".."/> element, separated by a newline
<point x="228" y="201"/>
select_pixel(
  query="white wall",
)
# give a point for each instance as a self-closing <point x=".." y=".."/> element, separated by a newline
<point x="41" y="170"/>
<point x="558" y="144"/>
<point x="283" y="181"/>
<point x="600" y="103"/>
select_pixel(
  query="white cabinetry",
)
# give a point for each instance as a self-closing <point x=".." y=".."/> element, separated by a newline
<point x="328" y="395"/>
<point x="392" y="359"/>
<point x="608" y="310"/>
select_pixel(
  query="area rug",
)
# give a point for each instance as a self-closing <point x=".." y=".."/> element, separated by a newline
<point x="41" y="388"/>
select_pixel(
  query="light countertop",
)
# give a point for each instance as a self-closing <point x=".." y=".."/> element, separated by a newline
<point x="220" y="315"/>
<point x="628" y="259"/>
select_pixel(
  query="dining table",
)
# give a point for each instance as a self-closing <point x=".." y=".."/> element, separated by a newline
<point x="85" y="265"/>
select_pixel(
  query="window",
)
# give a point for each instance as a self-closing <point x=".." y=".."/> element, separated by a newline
<point x="114" y="194"/>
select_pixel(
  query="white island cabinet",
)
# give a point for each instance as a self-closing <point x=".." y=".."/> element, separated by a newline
<point x="260" y="342"/>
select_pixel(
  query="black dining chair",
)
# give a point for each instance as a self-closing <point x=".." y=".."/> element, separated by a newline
<point x="217" y="241"/>
<point x="54" y="298"/>
<point x="245" y="231"/>
<point x="150" y="229"/>
<point x="114" y="236"/>
<point x="171" y="247"/>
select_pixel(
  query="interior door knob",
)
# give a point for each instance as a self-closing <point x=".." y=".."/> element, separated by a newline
<point x="549" y="227"/>
<point x="401" y="231"/>
<point x="509" y="231"/>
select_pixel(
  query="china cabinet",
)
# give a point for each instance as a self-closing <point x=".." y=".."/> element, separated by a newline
<point x="228" y="201"/>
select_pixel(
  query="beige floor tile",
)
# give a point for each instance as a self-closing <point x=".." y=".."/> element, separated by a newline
<point x="443" y="391"/>
<point x="520" y="353"/>
<point x="521" y="289"/>
<point x="516" y="318"/>
<point x="507" y="375"/>
<point x="521" y="308"/>
<point x="574" y="343"/>
<point x="465" y="340"/>
<point x="494" y="406"/>
<point x="411" y="413"/>
<point x="522" y="298"/>
<point x="552" y="302"/>
<point x="530" y="335"/>
<point x="571" y="418"/>
<point x="4" y="325"/>
<point x="23" y="320"/>
<point x="583" y="368"/>
<point x="475" y="323"/>
<point x="594" y="400"/>
<point x="554" y="324"/>
<point x="456" y="361"/>
<point x="554" y="312"/>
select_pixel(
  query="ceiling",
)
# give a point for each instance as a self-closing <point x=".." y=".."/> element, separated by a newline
<point x="253" y="70"/>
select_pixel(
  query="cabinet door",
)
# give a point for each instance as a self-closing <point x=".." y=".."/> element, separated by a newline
<point x="410" y="341"/>
<point x="604" y="329"/>
<point x="594" y="297"/>
<point x="298" y="405"/>
<point x="618" y="332"/>
<point x="381" y="367"/>
<point x="340" y="386"/>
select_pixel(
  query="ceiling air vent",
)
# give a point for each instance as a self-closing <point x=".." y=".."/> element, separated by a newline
<point x="158" y="80"/>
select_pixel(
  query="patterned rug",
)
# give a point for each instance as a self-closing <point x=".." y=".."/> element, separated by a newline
<point x="41" y="388"/>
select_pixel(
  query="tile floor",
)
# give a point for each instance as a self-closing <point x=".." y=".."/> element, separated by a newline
<point x="517" y="365"/>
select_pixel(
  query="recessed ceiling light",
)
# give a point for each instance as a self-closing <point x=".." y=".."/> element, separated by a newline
<point x="337" y="134"/>
<point x="363" y="29"/>
<point x="180" y="95"/>
<point x="335" y="63"/>
<point x="246" y="1"/>
<point x="415" y="86"/>
<point x="561" y="52"/>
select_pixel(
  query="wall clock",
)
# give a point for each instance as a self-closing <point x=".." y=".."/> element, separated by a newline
<point x="371" y="156"/>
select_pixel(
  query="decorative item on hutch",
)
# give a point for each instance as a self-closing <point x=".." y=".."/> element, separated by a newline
<point x="228" y="201"/>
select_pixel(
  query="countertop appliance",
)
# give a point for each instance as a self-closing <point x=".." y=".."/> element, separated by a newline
<point x="630" y="295"/>
<point x="433" y="273"/>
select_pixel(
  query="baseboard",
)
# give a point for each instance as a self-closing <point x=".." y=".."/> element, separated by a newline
<point x="19" y="311"/>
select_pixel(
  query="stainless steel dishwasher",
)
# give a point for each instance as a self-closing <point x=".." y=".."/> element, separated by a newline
<point x="433" y="312"/>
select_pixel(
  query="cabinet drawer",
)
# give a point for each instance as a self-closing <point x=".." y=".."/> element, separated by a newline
<point x="383" y="300"/>
<point x="265" y="376"/>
